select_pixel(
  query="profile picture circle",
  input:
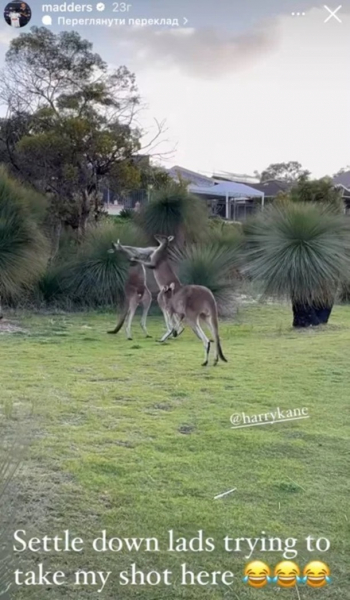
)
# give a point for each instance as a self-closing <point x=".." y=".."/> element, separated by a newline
<point x="17" y="14"/>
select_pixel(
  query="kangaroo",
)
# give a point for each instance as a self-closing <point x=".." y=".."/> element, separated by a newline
<point x="136" y="292"/>
<point x="164" y="275"/>
<point x="191" y="303"/>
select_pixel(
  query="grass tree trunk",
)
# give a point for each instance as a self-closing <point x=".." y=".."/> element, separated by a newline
<point x="323" y="313"/>
<point x="307" y="315"/>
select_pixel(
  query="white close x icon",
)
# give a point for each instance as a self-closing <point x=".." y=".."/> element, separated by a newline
<point x="333" y="13"/>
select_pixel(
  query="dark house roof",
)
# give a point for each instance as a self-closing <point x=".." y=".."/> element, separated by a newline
<point x="272" y="187"/>
<point x="178" y="172"/>
<point x="343" y="179"/>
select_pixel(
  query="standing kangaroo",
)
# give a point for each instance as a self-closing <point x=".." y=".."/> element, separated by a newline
<point x="136" y="292"/>
<point x="164" y="275"/>
<point x="193" y="303"/>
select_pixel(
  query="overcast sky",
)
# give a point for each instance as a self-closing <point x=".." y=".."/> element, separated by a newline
<point x="242" y="85"/>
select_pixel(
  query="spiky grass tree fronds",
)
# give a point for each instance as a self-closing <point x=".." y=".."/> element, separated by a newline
<point x="299" y="251"/>
<point x="344" y="292"/>
<point x="23" y="247"/>
<point x="95" y="277"/>
<point x="53" y="286"/>
<point x="173" y="211"/>
<point x="211" y="265"/>
<point x="128" y="233"/>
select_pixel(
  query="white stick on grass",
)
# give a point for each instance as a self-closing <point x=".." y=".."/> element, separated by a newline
<point x="225" y="494"/>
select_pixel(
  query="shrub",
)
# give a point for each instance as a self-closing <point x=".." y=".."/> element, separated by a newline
<point x="224" y="233"/>
<point x="23" y="247"/>
<point x="126" y="213"/>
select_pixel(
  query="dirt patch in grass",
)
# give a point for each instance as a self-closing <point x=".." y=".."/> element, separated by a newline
<point x="7" y="327"/>
<point x="186" y="429"/>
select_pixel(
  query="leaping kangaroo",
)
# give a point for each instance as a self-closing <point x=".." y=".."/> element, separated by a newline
<point x="136" y="292"/>
<point x="191" y="303"/>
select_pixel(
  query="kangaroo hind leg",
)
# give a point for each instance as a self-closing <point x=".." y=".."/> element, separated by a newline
<point x="196" y="328"/>
<point x="146" y="302"/>
<point x="133" y="304"/>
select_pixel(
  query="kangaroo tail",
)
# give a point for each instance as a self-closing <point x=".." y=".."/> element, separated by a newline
<point x="120" y="322"/>
<point x="220" y="352"/>
<point x="215" y="326"/>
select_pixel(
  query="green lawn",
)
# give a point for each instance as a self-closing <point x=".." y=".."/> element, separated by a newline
<point x="135" y="437"/>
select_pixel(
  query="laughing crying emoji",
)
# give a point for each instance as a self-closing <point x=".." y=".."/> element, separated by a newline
<point x="257" y="574"/>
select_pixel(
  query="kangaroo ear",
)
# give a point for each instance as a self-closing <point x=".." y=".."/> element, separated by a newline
<point x="160" y="238"/>
<point x="170" y="238"/>
<point x="165" y="288"/>
<point x="172" y="286"/>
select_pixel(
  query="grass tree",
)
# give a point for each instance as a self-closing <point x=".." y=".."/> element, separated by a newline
<point x="93" y="276"/>
<point x="23" y="247"/>
<point x="212" y="264"/>
<point x="300" y="251"/>
<point x="173" y="211"/>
